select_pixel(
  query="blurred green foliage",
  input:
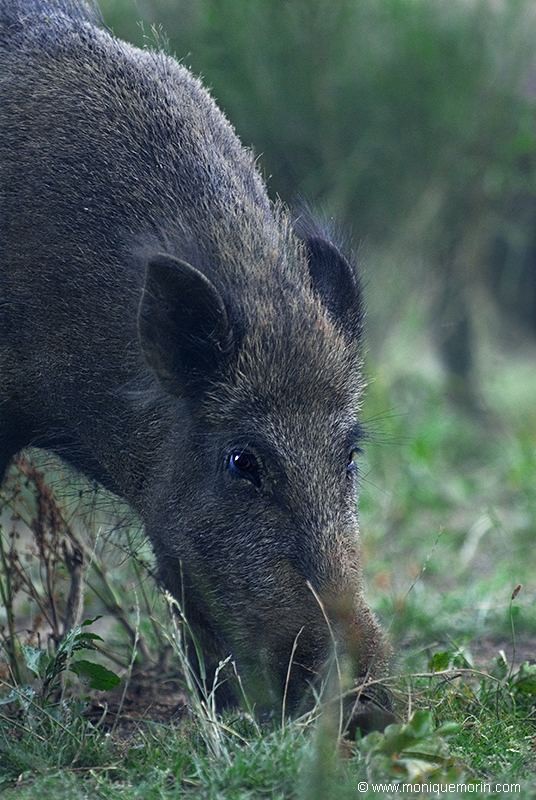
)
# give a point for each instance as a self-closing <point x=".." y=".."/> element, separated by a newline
<point x="360" y="104"/>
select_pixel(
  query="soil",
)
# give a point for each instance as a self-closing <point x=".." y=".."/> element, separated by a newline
<point x="146" y="698"/>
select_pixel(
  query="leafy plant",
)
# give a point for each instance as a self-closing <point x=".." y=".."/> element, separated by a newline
<point x="49" y="669"/>
<point x="413" y="751"/>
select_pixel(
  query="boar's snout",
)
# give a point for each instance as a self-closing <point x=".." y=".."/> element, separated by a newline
<point x="283" y="633"/>
<point x="288" y="657"/>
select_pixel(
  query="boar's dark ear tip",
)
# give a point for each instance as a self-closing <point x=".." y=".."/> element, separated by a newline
<point x="162" y="261"/>
<point x="166" y="264"/>
<point x="160" y="265"/>
<point x="335" y="280"/>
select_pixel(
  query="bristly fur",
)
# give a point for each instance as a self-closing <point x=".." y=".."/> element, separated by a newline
<point x="159" y="315"/>
<point x="18" y="11"/>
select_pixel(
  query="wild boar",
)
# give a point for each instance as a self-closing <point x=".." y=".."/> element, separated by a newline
<point x="170" y="332"/>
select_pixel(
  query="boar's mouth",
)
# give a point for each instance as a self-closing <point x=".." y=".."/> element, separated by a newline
<point x="283" y="686"/>
<point x="280" y="671"/>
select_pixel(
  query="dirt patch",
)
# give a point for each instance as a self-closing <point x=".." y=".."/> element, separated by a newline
<point x="486" y="650"/>
<point x="147" y="697"/>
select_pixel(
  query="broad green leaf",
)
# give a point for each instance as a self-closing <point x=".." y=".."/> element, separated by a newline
<point x="87" y="622"/>
<point x="421" y="723"/>
<point x="88" y="637"/>
<point x="99" y="677"/>
<point x="440" y="661"/>
<point x="449" y="728"/>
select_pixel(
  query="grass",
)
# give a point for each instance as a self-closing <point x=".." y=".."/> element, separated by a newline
<point x="448" y="515"/>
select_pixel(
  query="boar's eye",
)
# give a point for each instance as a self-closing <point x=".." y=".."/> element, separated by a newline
<point x="353" y="460"/>
<point x="243" y="464"/>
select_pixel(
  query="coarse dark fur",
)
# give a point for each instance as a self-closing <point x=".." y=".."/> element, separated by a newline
<point x="158" y="312"/>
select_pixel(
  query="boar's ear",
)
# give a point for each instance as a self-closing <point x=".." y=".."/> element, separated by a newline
<point x="182" y="323"/>
<point x="336" y="283"/>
